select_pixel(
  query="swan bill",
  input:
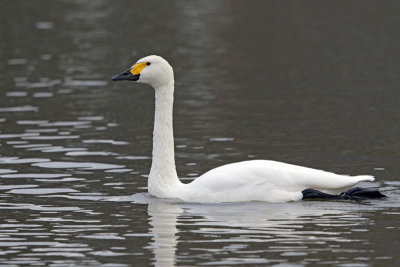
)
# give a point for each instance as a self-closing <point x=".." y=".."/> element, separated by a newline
<point x="126" y="75"/>
<point x="132" y="74"/>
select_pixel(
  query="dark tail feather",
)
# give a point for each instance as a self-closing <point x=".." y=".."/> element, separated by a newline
<point x="363" y="193"/>
<point x="356" y="193"/>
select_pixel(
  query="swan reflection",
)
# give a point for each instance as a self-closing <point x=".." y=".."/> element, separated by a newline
<point x="280" y="228"/>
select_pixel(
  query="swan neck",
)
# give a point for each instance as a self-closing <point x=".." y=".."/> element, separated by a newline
<point x="163" y="176"/>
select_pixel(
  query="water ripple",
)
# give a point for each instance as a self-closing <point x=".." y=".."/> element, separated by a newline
<point x="35" y="175"/>
<point x="84" y="83"/>
<point x="77" y="165"/>
<point x="15" y="160"/>
<point x="98" y="141"/>
<point x="26" y="108"/>
<point x="41" y="191"/>
<point x="8" y="187"/>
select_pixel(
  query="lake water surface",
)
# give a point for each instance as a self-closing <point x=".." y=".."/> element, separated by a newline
<point x="312" y="83"/>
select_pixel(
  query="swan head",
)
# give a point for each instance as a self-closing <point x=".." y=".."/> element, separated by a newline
<point x="153" y="70"/>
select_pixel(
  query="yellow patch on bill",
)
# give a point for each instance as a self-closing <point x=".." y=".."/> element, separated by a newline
<point x="137" y="68"/>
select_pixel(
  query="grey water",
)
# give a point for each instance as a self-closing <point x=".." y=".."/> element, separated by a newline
<point x="313" y="83"/>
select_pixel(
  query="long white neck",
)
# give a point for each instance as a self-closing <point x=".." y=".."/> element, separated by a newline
<point x="163" y="179"/>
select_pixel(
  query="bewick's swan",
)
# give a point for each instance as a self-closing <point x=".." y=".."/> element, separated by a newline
<point x="254" y="180"/>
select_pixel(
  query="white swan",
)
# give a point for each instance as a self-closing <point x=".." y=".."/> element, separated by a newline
<point x="261" y="180"/>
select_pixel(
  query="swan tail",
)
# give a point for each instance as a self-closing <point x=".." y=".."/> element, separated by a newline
<point x="356" y="193"/>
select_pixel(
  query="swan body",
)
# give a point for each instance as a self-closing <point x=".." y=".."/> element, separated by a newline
<point x="254" y="180"/>
<point x="265" y="180"/>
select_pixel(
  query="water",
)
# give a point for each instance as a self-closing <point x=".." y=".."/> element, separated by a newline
<point x="310" y="83"/>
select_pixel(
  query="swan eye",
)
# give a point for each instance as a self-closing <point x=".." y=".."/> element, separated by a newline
<point x="148" y="63"/>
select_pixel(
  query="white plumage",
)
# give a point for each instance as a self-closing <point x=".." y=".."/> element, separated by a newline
<point x="255" y="180"/>
<point x="266" y="180"/>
